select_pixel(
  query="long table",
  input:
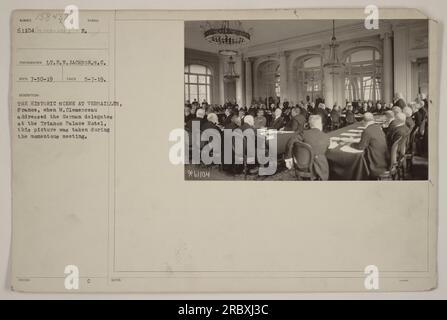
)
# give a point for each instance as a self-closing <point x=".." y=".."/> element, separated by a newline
<point x="344" y="163"/>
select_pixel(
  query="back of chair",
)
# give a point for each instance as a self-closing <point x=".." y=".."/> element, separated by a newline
<point x="411" y="148"/>
<point x="394" y="152"/>
<point x="402" y="149"/>
<point x="303" y="156"/>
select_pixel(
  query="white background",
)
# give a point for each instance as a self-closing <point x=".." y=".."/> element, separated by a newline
<point x="435" y="9"/>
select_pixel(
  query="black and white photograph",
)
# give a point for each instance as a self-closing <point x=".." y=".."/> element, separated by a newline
<point x="295" y="115"/>
<point x="310" y="100"/>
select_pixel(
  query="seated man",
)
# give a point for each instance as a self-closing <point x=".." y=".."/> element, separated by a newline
<point x="350" y="117"/>
<point x="311" y="107"/>
<point x="228" y="116"/>
<point x="260" y="120"/>
<point x="234" y="123"/>
<point x="399" y="130"/>
<point x="374" y="143"/>
<point x="241" y="114"/>
<point x="321" y="111"/>
<point x="409" y="118"/>
<point x="365" y="108"/>
<point x="297" y="121"/>
<point x="318" y="140"/>
<point x="335" y="117"/>
<point x="399" y="101"/>
<point x="379" y="109"/>
<point x="303" y="110"/>
<point x="389" y="122"/>
<point x="278" y="122"/>
<point x="248" y="124"/>
<point x="188" y="114"/>
<point x="396" y="110"/>
<point x="199" y="120"/>
<point x="211" y="122"/>
<point x="420" y="115"/>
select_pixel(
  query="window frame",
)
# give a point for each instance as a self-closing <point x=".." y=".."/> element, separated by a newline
<point x="196" y="84"/>
<point x="367" y="74"/>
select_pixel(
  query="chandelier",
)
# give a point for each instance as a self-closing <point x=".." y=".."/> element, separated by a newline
<point x="231" y="74"/>
<point x="333" y="61"/>
<point x="228" y="36"/>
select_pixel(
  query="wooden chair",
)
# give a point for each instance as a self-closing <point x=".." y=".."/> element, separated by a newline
<point x="391" y="173"/>
<point x="410" y="150"/>
<point x="303" y="160"/>
<point x="401" y="161"/>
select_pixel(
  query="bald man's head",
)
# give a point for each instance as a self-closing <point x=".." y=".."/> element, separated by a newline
<point x="368" y="117"/>
<point x="249" y="120"/>
<point x="212" y="117"/>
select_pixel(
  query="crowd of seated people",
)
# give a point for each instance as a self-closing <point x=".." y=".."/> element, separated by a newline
<point x="402" y="119"/>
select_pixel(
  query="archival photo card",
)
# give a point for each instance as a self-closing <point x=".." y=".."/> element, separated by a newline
<point x="224" y="151"/>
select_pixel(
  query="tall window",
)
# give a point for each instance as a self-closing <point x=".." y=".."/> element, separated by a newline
<point x="198" y="81"/>
<point x="363" y="79"/>
<point x="269" y="79"/>
<point x="278" y="84"/>
<point x="310" y="78"/>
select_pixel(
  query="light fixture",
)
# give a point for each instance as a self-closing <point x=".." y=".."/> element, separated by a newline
<point x="333" y="61"/>
<point x="228" y="36"/>
<point x="231" y="74"/>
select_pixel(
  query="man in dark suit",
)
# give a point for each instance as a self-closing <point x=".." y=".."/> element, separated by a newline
<point x="319" y="141"/>
<point x="409" y="118"/>
<point x="248" y="123"/>
<point x="311" y="108"/>
<point x="199" y="120"/>
<point x="399" y="130"/>
<point x="303" y="110"/>
<point x="365" y="108"/>
<point x="321" y="111"/>
<point x="278" y="122"/>
<point x="188" y="114"/>
<point x="319" y="101"/>
<point x="350" y="116"/>
<point x="297" y="121"/>
<point x="234" y="123"/>
<point x="211" y="122"/>
<point x="335" y="117"/>
<point x="228" y="116"/>
<point x="260" y="120"/>
<point x="420" y="116"/>
<point x="374" y="143"/>
<point x="399" y="101"/>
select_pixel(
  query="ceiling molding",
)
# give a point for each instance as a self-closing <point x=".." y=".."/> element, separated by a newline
<point x="318" y="39"/>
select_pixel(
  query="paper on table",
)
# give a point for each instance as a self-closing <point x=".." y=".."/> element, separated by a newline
<point x="356" y="130"/>
<point x="348" y="148"/>
<point x="346" y="139"/>
<point x="333" y="144"/>
<point x="351" y="134"/>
